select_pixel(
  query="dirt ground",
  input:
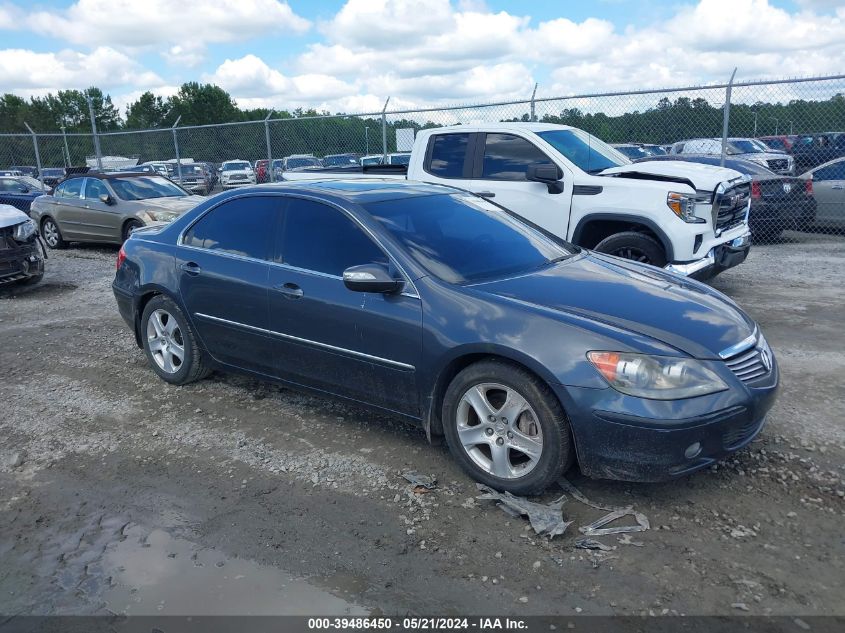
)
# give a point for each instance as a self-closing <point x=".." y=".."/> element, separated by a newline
<point x="122" y="494"/>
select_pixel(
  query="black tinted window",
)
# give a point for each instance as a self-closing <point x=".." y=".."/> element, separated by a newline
<point x="70" y="189"/>
<point x="831" y="172"/>
<point x="507" y="157"/>
<point x="320" y="238"/>
<point x="448" y="153"/>
<point x="242" y="226"/>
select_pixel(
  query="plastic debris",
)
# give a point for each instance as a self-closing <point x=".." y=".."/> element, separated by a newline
<point x="422" y="483"/>
<point x="588" y="543"/>
<point x="596" y="528"/>
<point x="545" y="519"/>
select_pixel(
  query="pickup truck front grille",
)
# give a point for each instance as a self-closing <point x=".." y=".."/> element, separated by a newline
<point x="778" y="164"/>
<point x="730" y="207"/>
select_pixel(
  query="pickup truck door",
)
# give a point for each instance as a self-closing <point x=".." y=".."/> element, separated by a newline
<point x="494" y="165"/>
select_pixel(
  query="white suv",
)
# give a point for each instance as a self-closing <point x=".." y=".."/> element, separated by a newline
<point x="236" y="173"/>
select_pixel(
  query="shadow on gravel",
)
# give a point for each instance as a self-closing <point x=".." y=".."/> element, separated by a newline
<point x="38" y="291"/>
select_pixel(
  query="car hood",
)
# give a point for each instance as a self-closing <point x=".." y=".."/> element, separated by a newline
<point x="682" y="313"/>
<point x="10" y="216"/>
<point x="179" y="205"/>
<point x="704" y="177"/>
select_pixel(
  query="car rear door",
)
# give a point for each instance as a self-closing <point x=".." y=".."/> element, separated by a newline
<point x="66" y="208"/>
<point x="829" y="190"/>
<point x="359" y="345"/>
<point x="223" y="267"/>
<point x="104" y="222"/>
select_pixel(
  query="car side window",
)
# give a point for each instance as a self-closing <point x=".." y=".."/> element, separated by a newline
<point x="8" y="184"/>
<point x="240" y="226"/>
<point x="831" y="172"/>
<point x="70" y="189"/>
<point x="447" y="155"/>
<point x="95" y="188"/>
<point x="507" y="157"/>
<point x="320" y="238"/>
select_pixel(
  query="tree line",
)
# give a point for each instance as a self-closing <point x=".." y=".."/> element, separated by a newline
<point x="203" y="104"/>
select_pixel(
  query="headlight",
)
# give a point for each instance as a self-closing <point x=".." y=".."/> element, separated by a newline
<point x="162" y="216"/>
<point x="24" y="231"/>
<point x="656" y="377"/>
<point x="683" y="206"/>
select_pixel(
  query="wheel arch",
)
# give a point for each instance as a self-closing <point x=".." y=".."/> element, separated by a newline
<point x="592" y="229"/>
<point x="144" y="296"/>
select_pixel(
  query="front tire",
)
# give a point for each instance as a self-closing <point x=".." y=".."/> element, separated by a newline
<point x="506" y="428"/>
<point x="170" y="343"/>
<point x="130" y="226"/>
<point x="635" y="246"/>
<point x="51" y="234"/>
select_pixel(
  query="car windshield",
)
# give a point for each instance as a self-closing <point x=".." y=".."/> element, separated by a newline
<point x="146" y="187"/>
<point x="460" y="238"/>
<point x="632" y="151"/>
<point x="295" y="163"/>
<point x="236" y="166"/>
<point x="191" y="169"/>
<point x="747" y="146"/>
<point x="584" y="150"/>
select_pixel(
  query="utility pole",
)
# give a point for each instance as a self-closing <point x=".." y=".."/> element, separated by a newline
<point x="366" y="141"/>
<point x="726" y="118"/>
<point x="67" y="151"/>
<point x="533" y="94"/>
<point x="384" y="132"/>
<point x="176" y="149"/>
<point x="269" y="147"/>
<point x="776" y="124"/>
<point x="755" y="124"/>
<point x="97" y="150"/>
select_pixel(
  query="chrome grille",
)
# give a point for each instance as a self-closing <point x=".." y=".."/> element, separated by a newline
<point x="748" y="365"/>
<point x="730" y="207"/>
<point x="778" y="164"/>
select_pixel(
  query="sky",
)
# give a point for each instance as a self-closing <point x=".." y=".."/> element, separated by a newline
<point x="350" y="55"/>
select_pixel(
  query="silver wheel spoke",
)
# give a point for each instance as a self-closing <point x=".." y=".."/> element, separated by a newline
<point x="157" y="324"/>
<point x="501" y="466"/>
<point x="526" y="444"/>
<point x="514" y="405"/>
<point x="477" y="399"/>
<point x="472" y="435"/>
<point x="155" y="344"/>
<point x="171" y="326"/>
<point x="167" y="360"/>
<point x="177" y="351"/>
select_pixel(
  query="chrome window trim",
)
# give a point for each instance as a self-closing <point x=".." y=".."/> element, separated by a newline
<point x="296" y="339"/>
<point x="743" y="345"/>
<point x="411" y="292"/>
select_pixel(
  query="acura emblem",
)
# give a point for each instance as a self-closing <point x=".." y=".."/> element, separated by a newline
<point x="767" y="361"/>
<point x="787" y="187"/>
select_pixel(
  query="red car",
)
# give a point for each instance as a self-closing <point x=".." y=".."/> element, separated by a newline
<point x="261" y="173"/>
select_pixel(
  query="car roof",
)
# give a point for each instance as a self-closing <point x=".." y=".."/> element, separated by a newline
<point x="358" y="191"/>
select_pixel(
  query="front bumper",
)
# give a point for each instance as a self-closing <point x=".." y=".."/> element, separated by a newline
<point x="631" y="439"/>
<point x="22" y="263"/>
<point x="718" y="259"/>
<point x="231" y="184"/>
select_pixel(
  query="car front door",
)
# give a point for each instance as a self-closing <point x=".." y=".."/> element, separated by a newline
<point x="359" y="345"/>
<point x="104" y="222"/>
<point x="222" y="263"/>
<point x="829" y="191"/>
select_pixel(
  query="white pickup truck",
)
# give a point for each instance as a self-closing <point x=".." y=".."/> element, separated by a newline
<point x="687" y="217"/>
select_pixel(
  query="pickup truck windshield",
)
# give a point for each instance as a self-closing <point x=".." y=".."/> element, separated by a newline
<point x="584" y="150"/>
<point x="460" y="238"/>
<point x="747" y="147"/>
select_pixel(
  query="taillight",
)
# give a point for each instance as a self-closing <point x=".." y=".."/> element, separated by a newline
<point x="756" y="191"/>
<point x="121" y="257"/>
<point x="808" y="186"/>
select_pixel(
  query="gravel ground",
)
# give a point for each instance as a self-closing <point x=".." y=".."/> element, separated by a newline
<point x="122" y="494"/>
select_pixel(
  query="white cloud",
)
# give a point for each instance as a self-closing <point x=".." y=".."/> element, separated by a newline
<point x="151" y="24"/>
<point x="27" y="72"/>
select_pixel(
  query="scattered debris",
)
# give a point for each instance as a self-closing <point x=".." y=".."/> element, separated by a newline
<point x="740" y="605"/>
<point x="545" y="519"/>
<point x="588" y="543"/>
<point x="422" y="483"/>
<point x="625" y="539"/>
<point x="596" y="527"/>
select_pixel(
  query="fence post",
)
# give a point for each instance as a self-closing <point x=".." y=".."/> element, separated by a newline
<point x="67" y="151"/>
<point x="533" y="94"/>
<point x="726" y="118"/>
<point x="269" y="147"/>
<point x="97" y="151"/>
<point x="176" y="149"/>
<point x="384" y="132"/>
<point x="37" y="153"/>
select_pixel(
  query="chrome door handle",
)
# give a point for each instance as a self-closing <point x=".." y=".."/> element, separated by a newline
<point x="837" y="187"/>
<point x="290" y="291"/>
<point x="191" y="268"/>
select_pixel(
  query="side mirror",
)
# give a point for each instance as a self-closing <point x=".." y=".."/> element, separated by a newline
<point x="548" y="174"/>
<point x="106" y="199"/>
<point x="371" y="278"/>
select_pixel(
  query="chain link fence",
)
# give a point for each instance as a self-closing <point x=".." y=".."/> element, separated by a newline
<point x="788" y="136"/>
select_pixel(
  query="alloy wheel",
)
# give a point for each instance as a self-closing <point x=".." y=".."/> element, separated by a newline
<point x="165" y="341"/>
<point x="629" y="252"/>
<point x="499" y="430"/>
<point x="51" y="233"/>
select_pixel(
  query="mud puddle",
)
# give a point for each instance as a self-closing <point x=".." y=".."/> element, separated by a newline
<point x="153" y="573"/>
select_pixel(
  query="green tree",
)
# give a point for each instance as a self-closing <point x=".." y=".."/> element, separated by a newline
<point x="148" y="111"/>
<point x="200" y="104"/>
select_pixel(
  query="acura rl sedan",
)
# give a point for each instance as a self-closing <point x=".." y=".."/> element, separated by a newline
<point x="527" y="353"/>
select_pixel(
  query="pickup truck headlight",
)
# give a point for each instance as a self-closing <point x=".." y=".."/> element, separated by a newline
<point x="24" y="231"/>
<point x="656" y="377"/>
<point x="683" y="206"/>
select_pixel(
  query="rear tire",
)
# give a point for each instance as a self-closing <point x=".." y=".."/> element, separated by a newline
<point x="170" y="344"/>
<point x="635" y="246"/>
<point x="51" y="234"/>
<point x="521" y="442"/>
